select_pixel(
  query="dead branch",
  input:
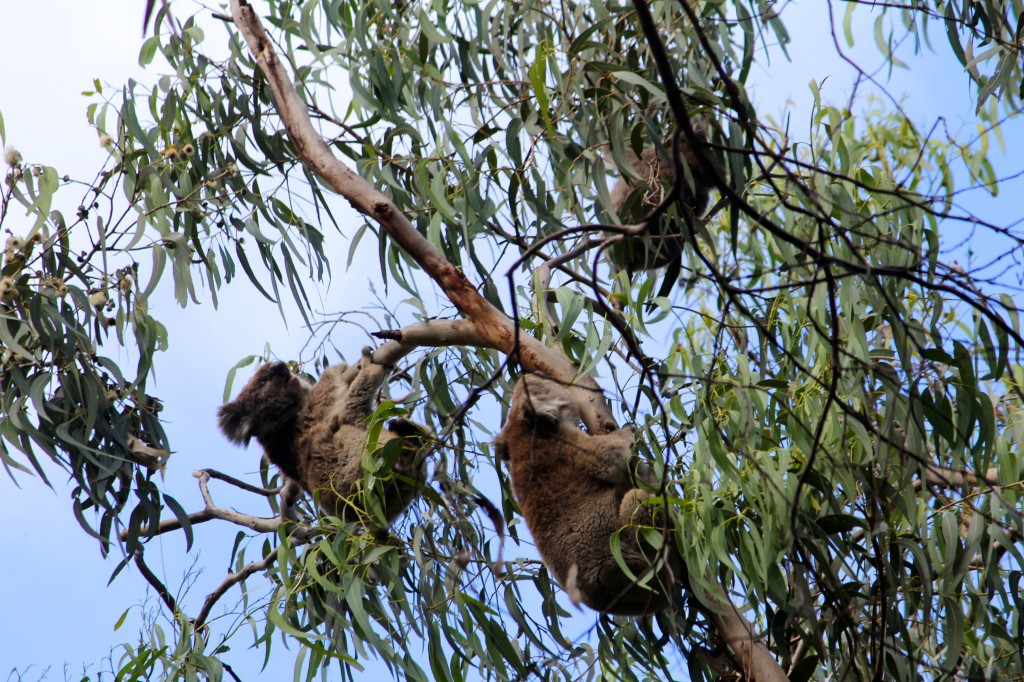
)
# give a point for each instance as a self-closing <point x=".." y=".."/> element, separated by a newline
<point x="256" y="523"/>
<point x="212" y="511"/>
<point x="238" y="483"/>
<point x="431" y="333"/>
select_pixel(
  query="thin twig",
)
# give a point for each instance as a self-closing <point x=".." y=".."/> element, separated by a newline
<point x="266" y="492"/>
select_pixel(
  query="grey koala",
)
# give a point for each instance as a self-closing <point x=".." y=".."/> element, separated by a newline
<point x="633" y="200"/>
<point x="575" y="492"/>
<point x="317" y="435"/>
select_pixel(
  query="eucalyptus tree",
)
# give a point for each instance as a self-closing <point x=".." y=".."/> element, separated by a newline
<point x="825" y="378"/>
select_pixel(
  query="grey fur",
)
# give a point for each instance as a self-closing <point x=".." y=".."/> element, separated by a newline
<point x="317" y="435"/>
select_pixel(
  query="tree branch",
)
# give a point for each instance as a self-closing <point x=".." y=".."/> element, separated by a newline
<point x="168" y="525"/>
<point x="238" y="483"/>
<point x="492" y="325"/>
<point x="431" y="333"/>
<point x="256" y="523"/>
<point x="944" y="476"/>
<point x="212" y="511"/>
<point x="156" y="583"/>
<point x="231" y="580"/>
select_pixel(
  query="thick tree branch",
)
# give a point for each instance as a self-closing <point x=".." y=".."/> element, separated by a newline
<point x="493" y="326"/>
<point x="943" y="476"/>
<point x="755" y="661"/>
<point x="431" y="333"/>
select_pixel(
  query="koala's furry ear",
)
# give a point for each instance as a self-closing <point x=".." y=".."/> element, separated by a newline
<point x="546" y="402"/>
<point x="546" y="413"/>
<point x="236" y="424"/>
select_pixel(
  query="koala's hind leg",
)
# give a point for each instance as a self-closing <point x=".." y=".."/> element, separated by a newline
<point x="635" y="511"/>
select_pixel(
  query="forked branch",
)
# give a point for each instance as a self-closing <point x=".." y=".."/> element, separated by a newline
<point x="212" y="511"/>
<point x="494" y="328"/>
<point x="230" y="581"/>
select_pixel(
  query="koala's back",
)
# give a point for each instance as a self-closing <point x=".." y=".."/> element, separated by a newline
<point x="573" y="517"/>
<point x="575" y="493"/>
<point x="332" y="468"/>
<point x="657" y="172"/>
<point x="570" y="516"/>
<point x="332" y="445"/>
<point x="634" y="200"/>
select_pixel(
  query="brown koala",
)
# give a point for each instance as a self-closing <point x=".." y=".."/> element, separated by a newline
<point x="575" y="492"/>
<point x="317" y="435"/>
<point x="633" y="201"/>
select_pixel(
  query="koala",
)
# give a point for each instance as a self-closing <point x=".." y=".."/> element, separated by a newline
<point x="574" y="491"/>
<point x="633" y="201"/>
<point x="317" y="435"/>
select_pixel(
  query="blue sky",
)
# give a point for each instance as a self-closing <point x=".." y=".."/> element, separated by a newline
<point x="55" y="577"/>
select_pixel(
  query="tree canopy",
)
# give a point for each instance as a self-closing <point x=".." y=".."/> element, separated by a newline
<point x="825" y="381"/>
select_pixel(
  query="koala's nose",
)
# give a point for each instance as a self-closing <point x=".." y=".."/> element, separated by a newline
<point x="278" y="367"/>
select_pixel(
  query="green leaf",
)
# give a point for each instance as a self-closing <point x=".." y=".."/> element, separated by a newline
<point x="131" y="122"/>
<point x="148" y="51"/>
<point x="183" y="519"/>
<point x="120" y="621"/>
<point x="839" y="523"/>
<point x="538" y="75"/>
<point x="230" y="380"/>
<point x="805" y="668"/>
<point x="641" y="82"/>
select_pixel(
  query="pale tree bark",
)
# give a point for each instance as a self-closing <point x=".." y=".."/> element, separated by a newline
<point x="489" y="324"/>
